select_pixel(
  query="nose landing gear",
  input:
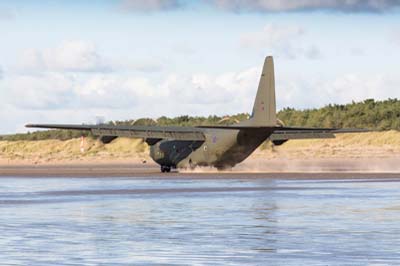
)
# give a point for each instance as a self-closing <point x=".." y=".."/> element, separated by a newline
<point x="165" y="169"/>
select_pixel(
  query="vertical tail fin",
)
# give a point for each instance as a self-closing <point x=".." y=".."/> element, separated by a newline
<point x="264" y="109"/>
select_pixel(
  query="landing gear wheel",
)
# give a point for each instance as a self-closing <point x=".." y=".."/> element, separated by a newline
<point x="192" y="166"/>
<point x="165" y="169"/>
<point x="224" y="168"/>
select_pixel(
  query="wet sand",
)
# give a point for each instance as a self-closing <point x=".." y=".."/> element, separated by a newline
<point x="272" y="169"/>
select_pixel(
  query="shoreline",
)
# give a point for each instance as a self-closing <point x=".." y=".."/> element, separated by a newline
<point x="331" y="168"/>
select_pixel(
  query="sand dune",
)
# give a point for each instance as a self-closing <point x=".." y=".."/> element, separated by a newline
<point x="122" y="150"/>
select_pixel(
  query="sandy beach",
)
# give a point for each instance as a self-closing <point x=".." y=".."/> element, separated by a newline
<point x="298" y="169"/>
<point x="373" y="152"/>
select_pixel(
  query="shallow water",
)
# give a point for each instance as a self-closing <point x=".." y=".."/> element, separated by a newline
<point x="123" y="221"/>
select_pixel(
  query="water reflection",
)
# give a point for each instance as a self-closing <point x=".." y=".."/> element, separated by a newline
<point x="120" y="221"/>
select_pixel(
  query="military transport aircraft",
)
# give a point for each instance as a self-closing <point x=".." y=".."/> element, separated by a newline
<point x="220" y="146"/>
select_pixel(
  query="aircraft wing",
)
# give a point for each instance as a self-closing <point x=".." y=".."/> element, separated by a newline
<point x="287" y="133"/>
<point x="145" y="132"/>
<point x="195" y="133"/>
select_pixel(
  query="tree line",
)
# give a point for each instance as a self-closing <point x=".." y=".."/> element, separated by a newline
<point x="370" y="114"/>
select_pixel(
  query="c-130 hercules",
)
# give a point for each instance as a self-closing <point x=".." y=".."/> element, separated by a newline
<point x="220" y="146"/>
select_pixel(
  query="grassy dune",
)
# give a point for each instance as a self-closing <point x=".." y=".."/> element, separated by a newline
<point x="69" y="150"/>
<point x="360" y="145"/>
<point x="355" y="145"/>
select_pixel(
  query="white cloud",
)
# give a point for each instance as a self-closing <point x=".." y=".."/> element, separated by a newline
<point x="70" y="56"/>
<point x="6" y="14"/>
<point x="357" y="87"/>
<point x="123" y="96"/>
<point x="285" y="40"/>
<point x="197" y="89"/>
<point x="1" y="73"/>
<point x="311" y="52"/>
<point x="348" y="6"/>
<point x="395" y="36"/>
<point x="149" y="5"/>
<point x="50" y="91"/>
<point x="183" y="49"/>
<point x="357" y="51"/>
<point x="271" y="35"/>
<point x="113" y="92"/>
<point x="139" y="65"/>
<point x="80" y="57"/>
<point x="54" y="97"/>
<point x="299" y="92"/>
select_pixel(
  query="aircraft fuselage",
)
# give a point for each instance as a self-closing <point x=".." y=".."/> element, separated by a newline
<point x="222" y="148"/>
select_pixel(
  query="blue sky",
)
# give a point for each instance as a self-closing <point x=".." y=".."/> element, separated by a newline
<point x="70" y="61"/>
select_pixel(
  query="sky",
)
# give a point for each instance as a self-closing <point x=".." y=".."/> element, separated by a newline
<point x="75" y="61"/>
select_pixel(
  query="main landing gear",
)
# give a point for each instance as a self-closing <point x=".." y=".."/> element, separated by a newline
<point x="165" y="168"/>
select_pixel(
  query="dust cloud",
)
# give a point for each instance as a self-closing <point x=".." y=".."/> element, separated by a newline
<point x="255" y="165"/>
